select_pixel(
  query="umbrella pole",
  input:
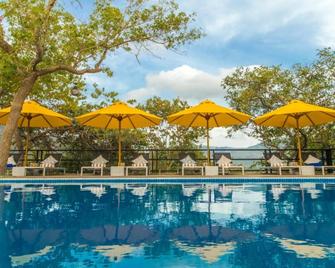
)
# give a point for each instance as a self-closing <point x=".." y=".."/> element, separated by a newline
<point x="25" y="162"/>
<point x="120" y="153"/>
<point x="298" y="142"/>
<point x="208" y="152"/>
<point x="299" y="147"/>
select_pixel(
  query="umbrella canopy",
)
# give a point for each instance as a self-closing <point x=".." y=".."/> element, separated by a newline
<point x="119" y="116"/>
<point x="297" y="114"/>
<point x="33" y="115"/>
<point x="208" y="114"/>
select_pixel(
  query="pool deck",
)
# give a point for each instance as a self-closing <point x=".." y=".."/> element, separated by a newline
<point x="252" y="178"/>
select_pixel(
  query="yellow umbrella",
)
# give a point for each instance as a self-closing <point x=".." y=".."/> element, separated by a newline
<point x="34" y="115"/>
<point x="208" y="114"/>
<point x="297" y="114"/>
<point x="119" y="116"/>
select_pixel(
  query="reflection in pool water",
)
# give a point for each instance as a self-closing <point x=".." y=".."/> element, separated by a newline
<point x="172" y="225"/>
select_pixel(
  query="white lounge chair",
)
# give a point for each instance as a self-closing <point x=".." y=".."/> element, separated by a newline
<point x="189" y="164"/>
<point x="139" y="163"/>
<point x="50" y="163"/>
<point x="312" y="160"/>
<point x="227" y="164"/>
<point x="97" y="164"/>
<point x="279" y="164"/>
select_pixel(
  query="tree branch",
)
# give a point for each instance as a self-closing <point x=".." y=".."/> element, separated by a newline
<point x="39" y="33"/>
<point x="50" y="5"/>
<point x="67" y="68"/>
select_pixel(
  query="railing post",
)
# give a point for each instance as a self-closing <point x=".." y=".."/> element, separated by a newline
<point x="157" y="160"/>
<point x="213" y="156"/>
<point x="329" y="157"/>
<point x="323" y="159"/>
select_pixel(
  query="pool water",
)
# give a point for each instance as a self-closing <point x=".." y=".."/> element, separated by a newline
<point x="167" y="225"/>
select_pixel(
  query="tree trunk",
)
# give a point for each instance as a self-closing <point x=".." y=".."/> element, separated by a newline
<point x="13" y="118"/>
<point x="19" y="145"/>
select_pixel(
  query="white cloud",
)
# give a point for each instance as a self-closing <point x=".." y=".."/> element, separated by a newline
<point x="219" y="138"/>
<point x="185" y="82"/>
<point x="228" y="19"/>
<point x="192" y="85"/>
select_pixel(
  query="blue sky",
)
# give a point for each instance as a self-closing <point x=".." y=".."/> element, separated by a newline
<point x="238" y="33"/>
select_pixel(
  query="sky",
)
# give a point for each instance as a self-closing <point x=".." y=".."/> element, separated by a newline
<point x="238" y="33"/>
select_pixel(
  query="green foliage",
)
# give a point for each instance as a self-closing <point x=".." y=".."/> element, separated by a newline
<point x="167" y="136"/>
<point x="163" y="136"/>
<point x="42" y="38"/>
<point x="261" y="89"/>
<point x="170" y="136"/>
<point x="82" y="138"/>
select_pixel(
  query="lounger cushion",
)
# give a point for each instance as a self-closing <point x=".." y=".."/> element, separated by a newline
<point x="224" y="161"/>
<point x="11" y="161"/>
<point x="188" y="162"/>
<point x="49" y="162"/>
<point x="275" y="161"/>
<point x="99" y="162"/>
<point x="312" y="161"/>
<point x="140" y="161"/>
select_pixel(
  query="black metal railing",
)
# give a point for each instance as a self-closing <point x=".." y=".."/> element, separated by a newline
<point x="168" y="160"/>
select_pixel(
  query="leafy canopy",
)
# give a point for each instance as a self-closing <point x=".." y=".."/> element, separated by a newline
<point x="261" y="89"/>
<point x="44" y="38"/>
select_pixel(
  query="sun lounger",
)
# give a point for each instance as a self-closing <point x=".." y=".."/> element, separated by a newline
<point x="189" y="164"/>
<point x="278" y="164"/>
<point x="97" y="164"/>
<point x="225" y="163"/>
<point x="312" y="160"/>
<point x="50" y="162"/>
<point x="139" y="163"/>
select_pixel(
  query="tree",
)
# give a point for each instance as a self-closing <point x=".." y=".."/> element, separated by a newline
<point x="261" y="89"/>
<point x="41" y="44"/>
<point x="82" y="138"/>
<point x="167" y="136"/>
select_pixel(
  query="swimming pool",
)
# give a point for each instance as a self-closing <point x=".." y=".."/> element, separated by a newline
<point x="141" y="224"/>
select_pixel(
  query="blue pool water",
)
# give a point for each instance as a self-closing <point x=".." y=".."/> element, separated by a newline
<point x="167" y="225"/>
